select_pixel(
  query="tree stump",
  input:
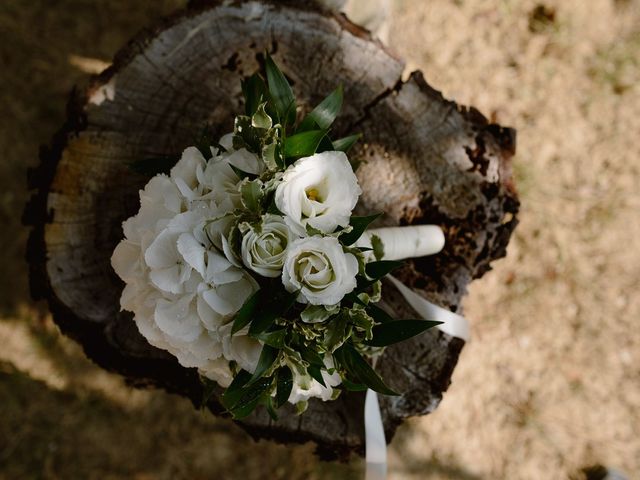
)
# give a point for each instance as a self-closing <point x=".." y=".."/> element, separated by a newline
<point x="426" y="160"/>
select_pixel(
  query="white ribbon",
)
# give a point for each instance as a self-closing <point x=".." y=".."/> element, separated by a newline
<point x="376" y="444"/>
<point x="452" y="323"/>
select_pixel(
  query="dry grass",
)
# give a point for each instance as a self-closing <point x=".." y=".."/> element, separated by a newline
<point x="549" y="383"/>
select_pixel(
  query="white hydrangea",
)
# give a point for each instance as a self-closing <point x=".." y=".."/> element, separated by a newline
<point x="182" y="290"/>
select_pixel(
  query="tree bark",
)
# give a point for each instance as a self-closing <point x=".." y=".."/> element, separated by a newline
<point x="425" y="160"/>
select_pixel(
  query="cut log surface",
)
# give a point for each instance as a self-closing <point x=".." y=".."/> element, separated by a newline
<point x="425" y="160"/>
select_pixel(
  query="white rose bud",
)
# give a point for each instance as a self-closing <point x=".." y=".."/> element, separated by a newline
<point x="264" y="248"/>
<point x="320" y="191"/>
<point x="319" y="268"/>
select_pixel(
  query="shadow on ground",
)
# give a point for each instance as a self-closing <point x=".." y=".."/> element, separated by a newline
<point x="45" y="49"/>
<point x="47" y="433"/>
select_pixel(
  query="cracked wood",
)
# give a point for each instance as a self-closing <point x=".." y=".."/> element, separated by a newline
<point x="426" y="160"/>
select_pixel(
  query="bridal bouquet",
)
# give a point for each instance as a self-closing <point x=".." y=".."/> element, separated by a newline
<point x="245" y="261"/>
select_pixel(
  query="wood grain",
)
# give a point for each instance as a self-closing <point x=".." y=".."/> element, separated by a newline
<point x="426" y="160"/>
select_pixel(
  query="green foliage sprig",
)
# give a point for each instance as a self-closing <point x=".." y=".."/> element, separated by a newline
<point x="297" y="338"/>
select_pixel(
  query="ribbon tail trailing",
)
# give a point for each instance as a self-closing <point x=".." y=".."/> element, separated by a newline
<point x="376" y="444"/>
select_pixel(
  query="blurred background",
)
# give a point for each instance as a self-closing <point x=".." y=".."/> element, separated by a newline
<point x="549" y="385"/>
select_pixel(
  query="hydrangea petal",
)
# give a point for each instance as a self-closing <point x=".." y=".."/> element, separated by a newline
<point x="126" y="261"/>
<point x="178" y="318"/>
<point x="192" y="251"/>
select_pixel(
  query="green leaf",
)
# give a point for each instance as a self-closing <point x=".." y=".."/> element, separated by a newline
<point x="353" y="297"/>
<point x="382" y="267"/>
<point x="301" y="407"/>
<point x="362" y="322"/>
<point x="358" y="367"/>
<point x="379" y="315"/>
<point x="267" y="358"/>
<point x="352" y="386"/>
<point x="325" y="145"/>
<point x="345" y="144"/>
<point x="263" y="320"/>
<point x="279" y="156"/>
<point x="316" y="374"/>
<point x="364" y="283"/>
<point x="393" y="332"/>
<point x="260" y="119"/>
<point x="316" y="313"/>
<point x="303" y="144"/>
<point x="290" y="114"/>
<point x="309" y="331"/>
<point x="273" y="208"/>
<point x="268" y="401"/>
<point x="251" y="193"/>
<point x="281" y="92"/>
<point x="325" y="113"/>
<point x="269" y="155"/>
<point x="274" y="338"/>
<point x="250" y="397"/>
<point x="378" y="247"/>
<point x="232" y="394"/>
<point x="150" y="167"/>
<point x="284" y="385"/>
<point x="254" y="91"/>
<point x="310" y="356"/>
<point x="336" y="333"/>
<point x="242" y="174"/>
<point x="245" y="136"/>
<point x="276" y="306"/>
<point x="246" y="312"/>
<point x="359" y="225"/>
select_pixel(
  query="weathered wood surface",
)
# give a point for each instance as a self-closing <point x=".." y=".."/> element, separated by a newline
<point x="427" y="161"/>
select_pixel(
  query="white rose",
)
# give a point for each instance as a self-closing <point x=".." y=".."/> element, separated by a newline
<point x="264" y="248"/>
<point x="320" y="191"/>
<point x="319" y="268"/>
